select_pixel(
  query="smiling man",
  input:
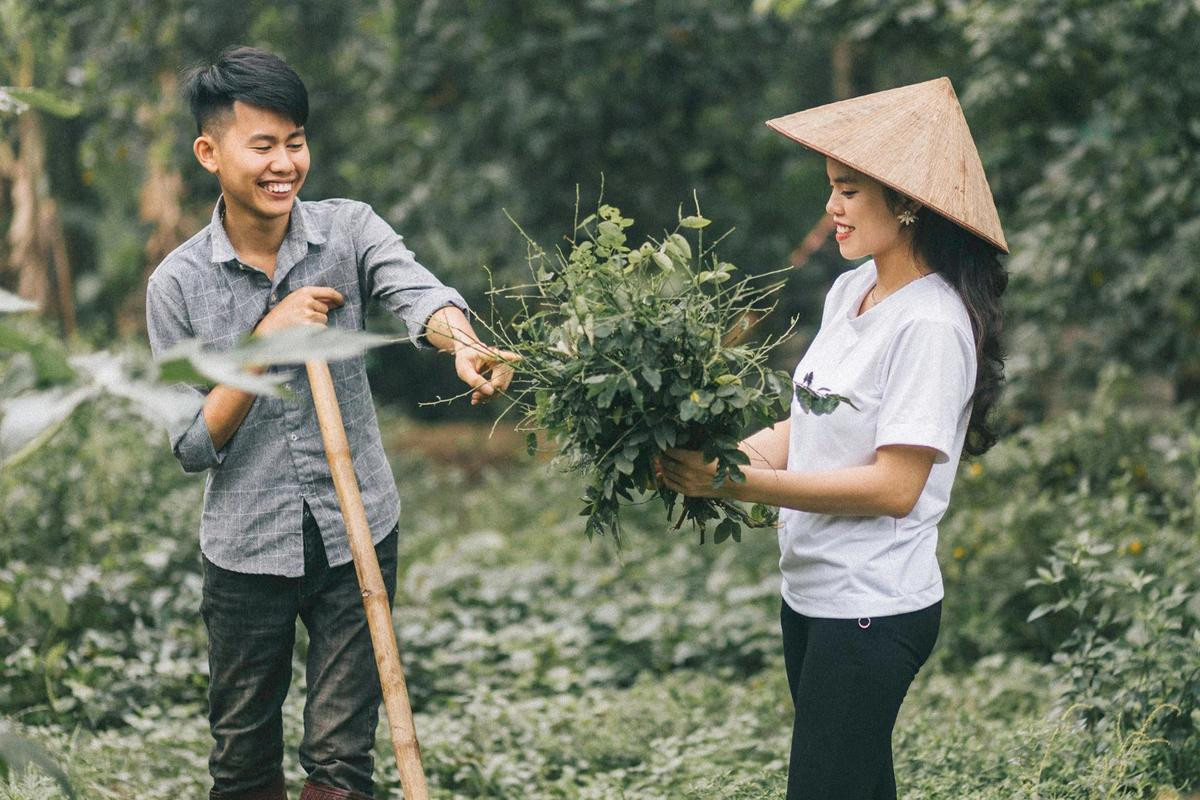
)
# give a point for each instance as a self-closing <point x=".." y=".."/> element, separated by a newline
<point x="273" y="542"/>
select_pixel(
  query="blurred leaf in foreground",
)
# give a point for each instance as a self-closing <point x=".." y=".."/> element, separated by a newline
<point x="190" y="362"/>
<point x="18" y="753"/>
<point x="12" y="304"/>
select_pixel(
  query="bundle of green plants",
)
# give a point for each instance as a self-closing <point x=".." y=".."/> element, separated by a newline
<point x="628" y="350"/>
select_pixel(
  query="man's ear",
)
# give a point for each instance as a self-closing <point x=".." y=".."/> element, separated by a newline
<point x="205" y="149"/>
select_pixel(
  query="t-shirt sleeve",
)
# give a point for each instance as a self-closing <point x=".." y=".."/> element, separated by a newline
<point x="929" y="377"/>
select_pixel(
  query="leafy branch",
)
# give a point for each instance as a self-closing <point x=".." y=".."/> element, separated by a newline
<point x="627" y="351"/>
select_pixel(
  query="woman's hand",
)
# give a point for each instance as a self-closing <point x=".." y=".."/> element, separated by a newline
<point x="686" y="472"/>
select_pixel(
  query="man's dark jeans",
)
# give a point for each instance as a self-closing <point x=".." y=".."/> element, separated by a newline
<point x="251" y="621"/>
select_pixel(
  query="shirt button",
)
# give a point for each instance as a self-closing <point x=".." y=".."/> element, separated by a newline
<point x="274" y="297"/>
<point x="293" y="437"/>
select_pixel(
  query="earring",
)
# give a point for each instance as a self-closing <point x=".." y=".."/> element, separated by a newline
<point x="906" y="217"/>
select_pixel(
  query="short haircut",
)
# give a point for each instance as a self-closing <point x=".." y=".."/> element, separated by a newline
<point x="254" y="76"/>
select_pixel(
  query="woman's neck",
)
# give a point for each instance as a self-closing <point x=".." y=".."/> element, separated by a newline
<point x="897" y="267"/>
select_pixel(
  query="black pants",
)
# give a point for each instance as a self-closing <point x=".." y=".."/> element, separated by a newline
<point x="848" y="678"/>
<point x="251" y="621"/>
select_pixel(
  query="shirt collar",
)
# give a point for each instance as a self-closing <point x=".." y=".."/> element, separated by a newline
<point x="301" y="228"/>
<point x="303" y="223"/>
<point x="222" y="248"/>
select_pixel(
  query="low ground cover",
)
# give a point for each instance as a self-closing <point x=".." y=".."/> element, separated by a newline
<point x="545" y="666"/>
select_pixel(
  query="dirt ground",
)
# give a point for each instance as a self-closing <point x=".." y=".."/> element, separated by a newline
<point x="469" y="446"/>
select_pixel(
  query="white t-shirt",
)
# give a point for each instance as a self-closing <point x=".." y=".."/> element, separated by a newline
<point x="908" y="364"/>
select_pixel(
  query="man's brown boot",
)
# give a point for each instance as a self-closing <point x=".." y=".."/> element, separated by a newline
<point x="317" y="791"/>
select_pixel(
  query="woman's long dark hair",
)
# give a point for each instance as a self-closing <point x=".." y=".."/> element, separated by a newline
<point x="972" y="266"/>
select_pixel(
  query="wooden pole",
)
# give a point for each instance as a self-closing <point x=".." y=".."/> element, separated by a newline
<point x="370" y="580"/>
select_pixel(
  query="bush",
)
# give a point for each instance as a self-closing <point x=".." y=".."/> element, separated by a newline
<point x="1132" y="658"/>
<point x="99" y="583"/>
<point x="1126" y="473"/>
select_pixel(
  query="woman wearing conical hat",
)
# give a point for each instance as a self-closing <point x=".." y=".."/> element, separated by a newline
<point x="911" y="338"/>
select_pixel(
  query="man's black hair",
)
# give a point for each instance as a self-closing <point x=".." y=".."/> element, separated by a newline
<point x="254" y="76"/>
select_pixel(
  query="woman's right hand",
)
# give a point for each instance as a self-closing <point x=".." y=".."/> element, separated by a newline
<point x="308" y="305"/>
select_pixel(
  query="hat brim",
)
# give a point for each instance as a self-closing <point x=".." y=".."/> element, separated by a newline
<point x="913" y="139"/>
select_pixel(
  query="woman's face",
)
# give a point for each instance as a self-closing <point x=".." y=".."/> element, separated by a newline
<point x="865" y="224"/>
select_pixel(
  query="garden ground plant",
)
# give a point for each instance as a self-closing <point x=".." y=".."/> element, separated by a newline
<point x="573" y="669"/>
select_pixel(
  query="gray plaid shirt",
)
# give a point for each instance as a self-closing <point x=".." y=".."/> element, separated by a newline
<point x="257" y="482"/>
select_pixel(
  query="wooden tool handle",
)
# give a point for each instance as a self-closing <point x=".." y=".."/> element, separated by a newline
<point x="370" y="581"/>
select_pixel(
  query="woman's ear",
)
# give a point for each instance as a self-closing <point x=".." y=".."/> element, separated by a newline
<point x="909" y="210"/>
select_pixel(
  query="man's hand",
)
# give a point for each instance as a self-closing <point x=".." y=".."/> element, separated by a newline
<point x="308" y="305"/>
<point x="472" y="362"/>
<point x="449" y="330"/>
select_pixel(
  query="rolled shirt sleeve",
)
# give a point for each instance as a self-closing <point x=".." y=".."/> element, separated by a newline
<point x="930" y="378"/>
<point x="166" y="324"/>
<point x="394" y="277"/>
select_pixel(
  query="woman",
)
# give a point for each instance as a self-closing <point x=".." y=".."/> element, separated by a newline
<point x="912" y="339"/>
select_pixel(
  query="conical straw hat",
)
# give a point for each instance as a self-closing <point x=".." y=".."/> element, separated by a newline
<point x="913" y="138"/>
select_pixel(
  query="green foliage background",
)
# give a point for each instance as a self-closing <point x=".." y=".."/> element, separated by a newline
<point x="440" y="115"/>
<point x="576" y="671"/>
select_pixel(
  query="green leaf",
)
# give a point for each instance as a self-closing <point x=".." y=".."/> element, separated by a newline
<point x="1040" y="611"/>
<point x="42" y="100"/>
<point x="652" y="376"/>
<point x="165" y="406"/>
<point x="189" y="362"/>
<point x="303" y="343"/>
<point x="19" y="375"/>
<point x="51" y="362"/>
<point x="727" y="529"/>
<point x="694" y="221"/>
<point x="664" y="437"/>
<point x="29" y="420"/>
<point x="680" y="244"/>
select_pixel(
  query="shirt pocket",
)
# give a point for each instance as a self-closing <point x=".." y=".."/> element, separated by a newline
<point x="223" y="315"/>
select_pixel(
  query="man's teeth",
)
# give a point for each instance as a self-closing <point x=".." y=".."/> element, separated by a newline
<point x="279" y="187"/>
<point x="844" y="228"/>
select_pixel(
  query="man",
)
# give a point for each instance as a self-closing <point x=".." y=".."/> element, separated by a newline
<point x="273" y="541"/>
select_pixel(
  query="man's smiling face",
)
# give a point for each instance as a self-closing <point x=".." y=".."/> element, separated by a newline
<point x="260" y="158"/>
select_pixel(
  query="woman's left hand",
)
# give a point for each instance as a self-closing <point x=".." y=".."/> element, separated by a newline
<point x="686" y="472"/>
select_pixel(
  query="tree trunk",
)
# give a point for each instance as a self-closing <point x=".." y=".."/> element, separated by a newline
<point x="159" y="200"/>
<point x="38" y="246"/>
